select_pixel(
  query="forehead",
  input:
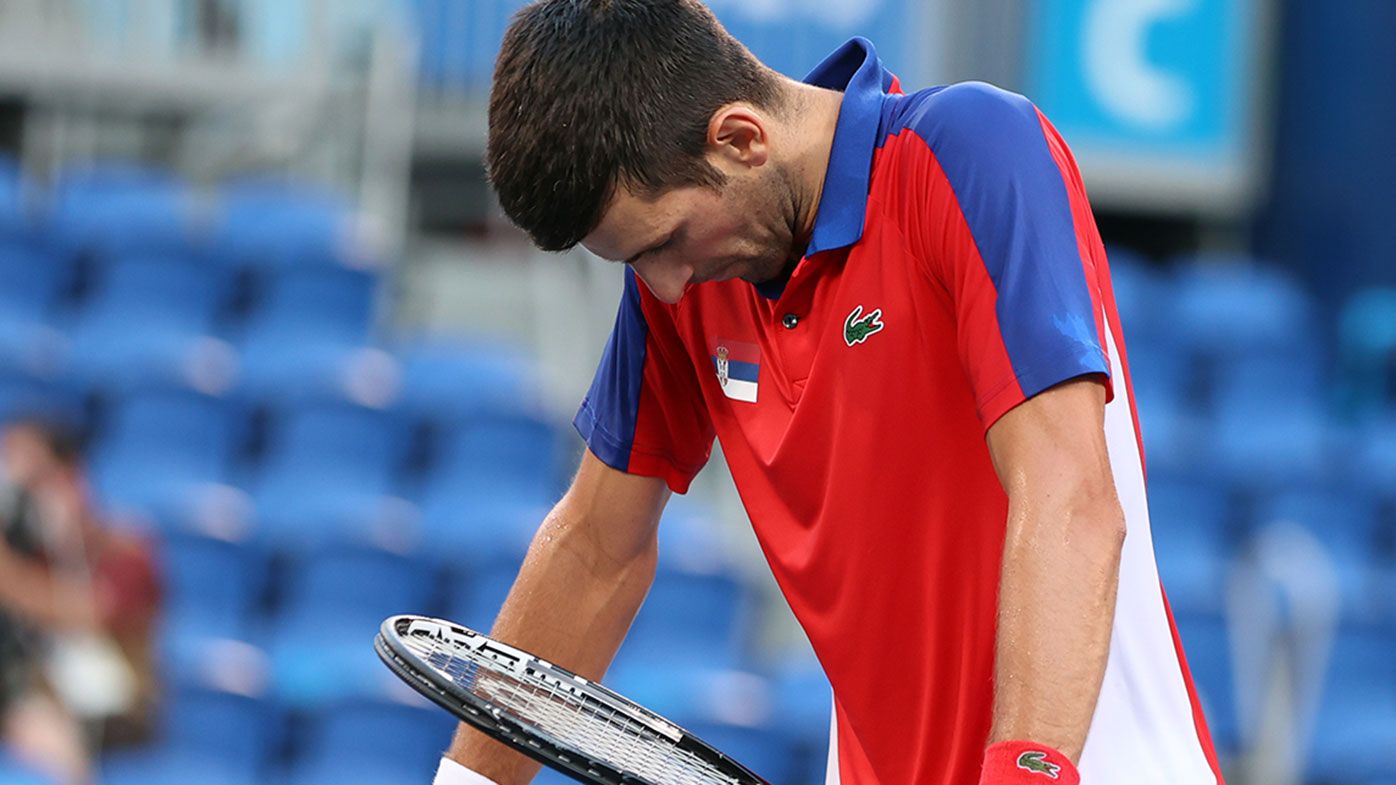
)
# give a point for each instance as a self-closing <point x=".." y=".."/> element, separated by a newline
<point x="632" y="223"/>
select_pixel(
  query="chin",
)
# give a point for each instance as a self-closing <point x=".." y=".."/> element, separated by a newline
<point x="761" y="269"/>
<point x="761" y="274"/>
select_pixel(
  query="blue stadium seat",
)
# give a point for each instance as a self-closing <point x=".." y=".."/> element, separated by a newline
<point x="150" y="318"/>
<point x="212" y="589"/>
<point x="1293" y="380"/>
<point x="307" y="336"/>
<point x="122" y="208"/>
<point x="1227" y="307"/>
<point x="403" y="740"/>
<point x="1165" y="396"/>
<point x="1346" y="522"/>
<point x="79" y="185"/>
<point x="492" y="481"/>
<point x="1207" y="646"/>
<point x="1267" y="444"/>
<point x="690" y="617"/>
<point x="476" y="595"/>
<point x="199" y="724"/>
<point x="164" y="450"/>
<point x="31" y="280"/>
<point x="352" y="585"/>
<point x="1355" y="730"/>
<point x="446" y="383"/>
<point x="469" y="525"/>
<point x="165" y="766"/>
<point x="339" y="773"/>
<point x="14" y="772"/>
<point x="687" y="618"/>
<point x="333" y="303"/>
<point x="1160" y="370"/>
<point x="336" y="598"/>
<point x="329" y="472"/>
<point x="32" y="283"/>
<point x="514" y="455"/>
<point x="1175" y="436"/>
<point x="266" y="224"/>
<point x="1194" y="538"/>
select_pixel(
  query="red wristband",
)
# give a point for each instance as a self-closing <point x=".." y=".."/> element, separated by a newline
<point x="1025" y="763"/>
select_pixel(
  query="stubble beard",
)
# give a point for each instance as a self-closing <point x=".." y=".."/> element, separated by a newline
<point x="776" y="195"/>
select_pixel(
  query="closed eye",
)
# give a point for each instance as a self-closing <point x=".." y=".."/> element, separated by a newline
<point x="675" y="237"/>
<point x="652" y="249"/>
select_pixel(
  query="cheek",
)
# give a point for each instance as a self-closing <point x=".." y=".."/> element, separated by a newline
<point x="717" y="238"/>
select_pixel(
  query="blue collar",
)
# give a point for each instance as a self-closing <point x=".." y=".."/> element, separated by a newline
<point x="838" y="222"/>
<point x="855" y="69"/>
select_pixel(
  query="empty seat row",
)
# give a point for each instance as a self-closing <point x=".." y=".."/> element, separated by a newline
<point x="1200" y="528"/>
<point x="1216" y="329"/>
<point x="114" y="209"/>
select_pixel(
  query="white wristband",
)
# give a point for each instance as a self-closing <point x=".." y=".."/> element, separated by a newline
<point x="452" y="773"/>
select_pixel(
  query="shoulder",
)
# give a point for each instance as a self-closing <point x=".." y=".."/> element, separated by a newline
<point x="965" y="117"/>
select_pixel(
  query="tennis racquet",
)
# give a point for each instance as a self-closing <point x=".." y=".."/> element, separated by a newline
<point x="548" y="713"/>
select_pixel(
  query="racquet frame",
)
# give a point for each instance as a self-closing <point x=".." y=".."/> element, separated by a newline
<point x="501" y="725"/>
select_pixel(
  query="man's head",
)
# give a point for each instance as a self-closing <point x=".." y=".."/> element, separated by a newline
<point x="644" y="131"/>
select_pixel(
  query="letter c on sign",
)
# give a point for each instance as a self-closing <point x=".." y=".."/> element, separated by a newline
<point x="1120" y="78"/>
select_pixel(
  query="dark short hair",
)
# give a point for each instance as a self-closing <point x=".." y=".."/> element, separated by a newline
<point x="589" y="94"/>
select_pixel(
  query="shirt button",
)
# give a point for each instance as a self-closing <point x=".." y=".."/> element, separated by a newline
<point x="790" y="320"/>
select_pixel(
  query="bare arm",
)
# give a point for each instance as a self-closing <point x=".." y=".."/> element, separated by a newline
<point x="586" y="573"/>
<point x="1061" y="565"/>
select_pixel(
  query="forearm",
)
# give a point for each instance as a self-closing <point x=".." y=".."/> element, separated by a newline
<point x="1056" y="607"/>
<point x="572" y="604"/>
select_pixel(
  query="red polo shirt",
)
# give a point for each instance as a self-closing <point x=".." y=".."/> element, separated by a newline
<point x="954" y="271"/>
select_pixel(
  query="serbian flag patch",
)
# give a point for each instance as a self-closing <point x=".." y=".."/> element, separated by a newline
<point x="737" y="365"/>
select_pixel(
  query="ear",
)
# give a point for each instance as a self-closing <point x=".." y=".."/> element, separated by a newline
<point x="738" y="137"/>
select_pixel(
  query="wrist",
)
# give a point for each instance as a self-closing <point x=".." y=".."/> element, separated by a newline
<point x="452" y="773"/>
<point x="1026" y="763"/>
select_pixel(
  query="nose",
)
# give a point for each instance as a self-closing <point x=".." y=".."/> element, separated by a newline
<point x="665" y="281"/>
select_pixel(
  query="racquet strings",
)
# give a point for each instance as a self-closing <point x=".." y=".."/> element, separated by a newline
<point x="549" y="706"/>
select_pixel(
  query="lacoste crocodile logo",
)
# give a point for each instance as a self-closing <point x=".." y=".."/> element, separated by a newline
<point x="857" y="327"/>
<point x="1037" y="763"/>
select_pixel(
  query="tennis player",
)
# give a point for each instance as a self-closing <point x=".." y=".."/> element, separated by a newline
<point x="895" y="312"/>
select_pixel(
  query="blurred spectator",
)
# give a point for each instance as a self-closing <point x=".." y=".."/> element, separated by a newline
<point x="78" y="604"/>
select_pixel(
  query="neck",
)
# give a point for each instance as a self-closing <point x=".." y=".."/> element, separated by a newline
<point x="814" y="120"/>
